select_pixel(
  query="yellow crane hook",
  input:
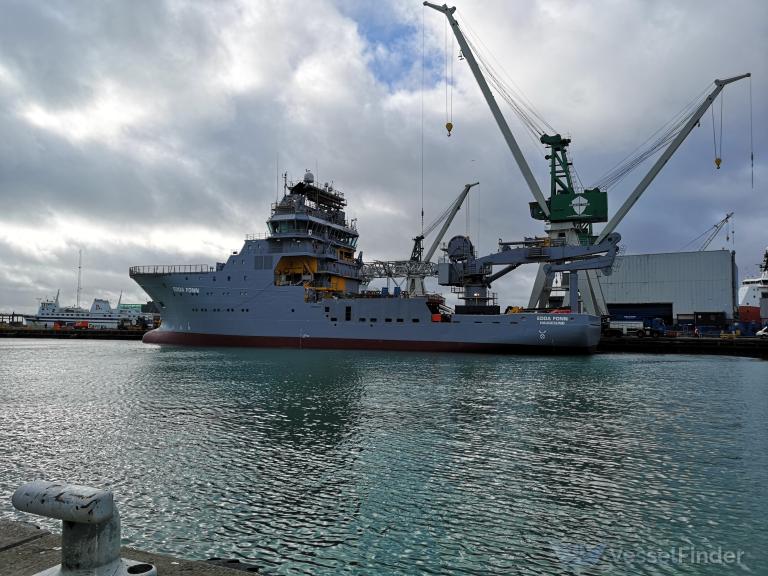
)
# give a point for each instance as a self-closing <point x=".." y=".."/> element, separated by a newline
<point x="449" y="127"/>
<point x="718" y="161"/>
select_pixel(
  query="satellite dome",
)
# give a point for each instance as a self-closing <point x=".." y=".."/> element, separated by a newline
<point x="309" y="178"/>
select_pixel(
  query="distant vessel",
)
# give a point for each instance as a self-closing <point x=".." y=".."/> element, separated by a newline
<point x="101" y="315"/>
<point x="752" y="291"/>
<point x="299" y="285"/>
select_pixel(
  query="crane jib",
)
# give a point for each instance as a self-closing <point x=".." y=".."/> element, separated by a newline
<point x="666" y="155"/>
<point x="512" y="144"/>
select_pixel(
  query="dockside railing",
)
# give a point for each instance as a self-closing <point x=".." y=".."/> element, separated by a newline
<point x="162" y="269"/>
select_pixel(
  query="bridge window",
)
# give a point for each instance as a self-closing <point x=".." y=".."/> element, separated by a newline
<point x="348" y="313"/>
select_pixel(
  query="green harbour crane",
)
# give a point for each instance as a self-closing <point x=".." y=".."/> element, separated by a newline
<point x="570" y="212"/>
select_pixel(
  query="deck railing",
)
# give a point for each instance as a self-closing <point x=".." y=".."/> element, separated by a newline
<point x="162" y="269"/>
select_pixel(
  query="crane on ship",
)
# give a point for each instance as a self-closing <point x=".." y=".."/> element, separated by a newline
<point x="415" y="282"/>
<point x="710" y="233"/>
<point x="420" y="266"/>
<point x="571" y="211"/>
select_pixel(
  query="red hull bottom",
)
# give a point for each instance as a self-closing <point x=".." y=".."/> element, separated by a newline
<point x="193" y="339"/>
<point x="749" y="313"/>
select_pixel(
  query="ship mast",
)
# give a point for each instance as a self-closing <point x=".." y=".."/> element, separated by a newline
<point x="79" y="275"/>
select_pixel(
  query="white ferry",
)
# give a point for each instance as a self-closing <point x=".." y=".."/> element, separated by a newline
<point x="101" y="315"/>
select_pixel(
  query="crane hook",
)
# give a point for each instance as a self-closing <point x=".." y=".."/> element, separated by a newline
<point x="718" y="161"/>
<point x="449" y="127"/>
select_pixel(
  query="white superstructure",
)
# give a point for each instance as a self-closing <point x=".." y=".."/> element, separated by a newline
<point x="752" y="291"/>
<point x="101" y="315"/>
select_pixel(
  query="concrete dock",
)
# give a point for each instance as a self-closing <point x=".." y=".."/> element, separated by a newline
<point x="26" y="550"/>
<point x="752" y="347"/>
<point x="87" y="334"/>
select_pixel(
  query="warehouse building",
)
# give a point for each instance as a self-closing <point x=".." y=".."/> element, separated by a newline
<point x="680" y="287"/>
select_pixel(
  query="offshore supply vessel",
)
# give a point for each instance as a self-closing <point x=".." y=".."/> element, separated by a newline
<point x="300" y="285"/>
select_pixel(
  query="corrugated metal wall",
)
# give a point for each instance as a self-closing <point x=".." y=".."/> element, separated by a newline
<point x="691" y="281"/>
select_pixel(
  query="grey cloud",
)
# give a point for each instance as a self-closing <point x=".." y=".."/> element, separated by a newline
<point x="206" y="155"/>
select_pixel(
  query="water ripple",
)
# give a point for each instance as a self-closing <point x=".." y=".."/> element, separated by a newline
<point x="333" y="462"/>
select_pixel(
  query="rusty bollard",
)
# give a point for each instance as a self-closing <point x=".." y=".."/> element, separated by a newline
<point x="90" y="536"/>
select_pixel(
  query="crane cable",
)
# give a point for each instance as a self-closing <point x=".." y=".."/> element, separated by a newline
<point x="445" y="70"/>
<point x="713" y="231"/>
<point x="439" y="220"/>
<point x="751" y="141"/>
<point x="509" y="86"/>
<point x="665" y="134"/>
<point x="699" y="237"/>
<point x="526" y="116"/>
<point x="448" y="82"/>
<point x="718" y="152"/>
<point x="730" y="233"/>
<point x="467" y="217"/>
<point x="507" y="90"/>
<point x="421" y="115"/>
<point x="450" y="120"/>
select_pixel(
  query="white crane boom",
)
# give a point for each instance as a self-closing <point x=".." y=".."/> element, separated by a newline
<point x="717" y="227"/>
<point x="671" y="149"/>
<point x="497" y="115"/>
<point x="451" y="215"/>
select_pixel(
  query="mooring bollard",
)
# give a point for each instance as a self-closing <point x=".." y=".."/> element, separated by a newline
<point x="90" y="536"/>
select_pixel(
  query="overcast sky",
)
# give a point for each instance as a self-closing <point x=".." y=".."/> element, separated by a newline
<point x="152" y="132"/>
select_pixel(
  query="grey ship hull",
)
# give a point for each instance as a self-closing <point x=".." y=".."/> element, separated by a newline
<point x="300" y="287"/>
<point x="209" y="310"/>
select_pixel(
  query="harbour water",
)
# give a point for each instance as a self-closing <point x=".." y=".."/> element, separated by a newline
<point x="325" y="462"/>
